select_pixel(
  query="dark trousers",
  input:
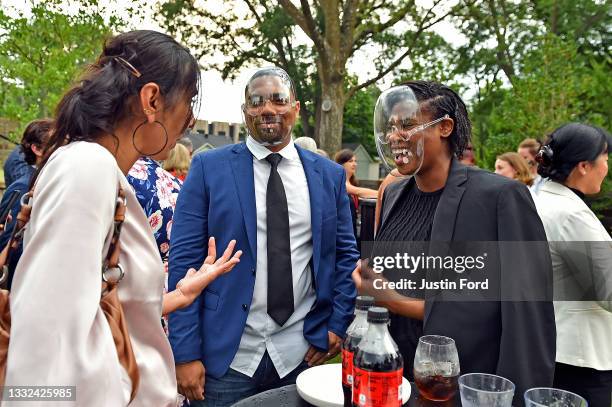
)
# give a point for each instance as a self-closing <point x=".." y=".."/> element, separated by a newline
<point x="235" y="386"/>
<point x="594" y="385"/>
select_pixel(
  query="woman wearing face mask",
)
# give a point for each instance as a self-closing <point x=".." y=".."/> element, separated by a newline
<point x="574" y="162"/>
<point x="134" y="101"/>
<point x="420" y="128"/>
<point x="528" y="149"/>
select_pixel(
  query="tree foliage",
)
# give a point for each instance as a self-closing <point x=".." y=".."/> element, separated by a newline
<point x="313" y="41"/>
<point x="41" y="53"/>
<point x="358" y="120"/>
<point x="528" y="66"/>
<point x="537" y="64"/>
<point x="554" y="88"/>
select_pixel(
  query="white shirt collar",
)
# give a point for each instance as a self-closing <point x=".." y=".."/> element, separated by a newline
<point x="289" y="152"/>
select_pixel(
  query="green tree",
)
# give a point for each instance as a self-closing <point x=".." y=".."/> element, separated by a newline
<point x="551" y="90"/>
<point x="41" y="53"/>
<point x="536" y="64"/>
<point x="557" y="86"/>
<point x="358" y="118"/>
<point x="314" y="41"/>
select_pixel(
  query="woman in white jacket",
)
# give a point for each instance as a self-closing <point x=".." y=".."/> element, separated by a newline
<point x="575" y="162"/>
<point x="134" y="101"/>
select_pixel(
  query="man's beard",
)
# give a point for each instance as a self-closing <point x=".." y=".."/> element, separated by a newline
<point x="269" y="129"/>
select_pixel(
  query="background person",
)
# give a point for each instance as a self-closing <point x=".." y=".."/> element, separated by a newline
<point x="178" y="162"/>
<point x="134" y="100"/>
<point x="32" y="145"/>
<point x="307" y="143"/>
<point x="467" y="157"/>
<point x="512" y="165"/>
<point x="574" y="163"/>
<point x="322" y="153"/>
<point x="157" y="191"/>
<point x="528" y="149"/>
<point x="15" y="166"/>
<point x="346" y="158"/>
<point x="186" y="141"/>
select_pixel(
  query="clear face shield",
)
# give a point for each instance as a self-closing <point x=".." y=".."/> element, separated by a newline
<point x="398" y="131"/>
<point x="269" y="106"/>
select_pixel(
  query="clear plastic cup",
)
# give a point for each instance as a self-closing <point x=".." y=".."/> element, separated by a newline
<point x="481" y="389"/>
<point x="547" y="397"/>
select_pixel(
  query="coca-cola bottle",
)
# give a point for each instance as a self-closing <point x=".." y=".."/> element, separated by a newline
<point x="354" y="333"/>
<point x="377" y="365"/>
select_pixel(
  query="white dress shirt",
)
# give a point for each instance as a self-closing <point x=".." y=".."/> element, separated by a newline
<point x="584" y="328"/>
<point x="286" y="345"/>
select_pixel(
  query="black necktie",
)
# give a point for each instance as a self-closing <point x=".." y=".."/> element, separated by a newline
<point x="280" y="283"/>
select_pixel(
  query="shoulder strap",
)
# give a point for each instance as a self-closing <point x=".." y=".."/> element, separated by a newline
<point x="23" y="217"/>
<point x="112" y="272"/>
<point x="111" y="269"/>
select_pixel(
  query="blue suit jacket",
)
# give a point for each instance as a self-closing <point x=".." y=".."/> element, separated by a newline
<point x="218" y="199"/>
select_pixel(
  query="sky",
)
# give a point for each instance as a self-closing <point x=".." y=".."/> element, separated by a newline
<point x="221" y="100"/>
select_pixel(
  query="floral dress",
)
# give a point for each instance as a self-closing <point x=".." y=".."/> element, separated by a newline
<point x="156" y="190"/>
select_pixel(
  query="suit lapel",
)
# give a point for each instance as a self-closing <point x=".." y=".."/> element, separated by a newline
<point x="446" y="215"/>
<point x="242" y="167"/>
<point x="315" y="189"/>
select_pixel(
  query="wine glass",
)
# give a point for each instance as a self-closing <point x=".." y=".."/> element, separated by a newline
<point x="436" y="367"/>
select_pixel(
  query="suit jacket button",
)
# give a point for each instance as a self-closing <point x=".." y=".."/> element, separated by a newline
<point x="253" y="270"/>
<point x="245" y="307"/>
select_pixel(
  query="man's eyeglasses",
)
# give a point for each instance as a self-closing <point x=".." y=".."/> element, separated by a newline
<point x="280" y="102"/>
<point x="406" y="128"/>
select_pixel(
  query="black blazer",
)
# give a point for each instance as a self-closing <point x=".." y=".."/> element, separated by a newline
<point x="513" y="339"/>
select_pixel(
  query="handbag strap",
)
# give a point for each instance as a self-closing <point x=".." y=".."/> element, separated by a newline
<point x="23" y="217"/>
<point x="112" y="272"/>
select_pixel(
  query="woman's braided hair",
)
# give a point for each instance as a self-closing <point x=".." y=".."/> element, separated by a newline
<point x="439" y="100"/>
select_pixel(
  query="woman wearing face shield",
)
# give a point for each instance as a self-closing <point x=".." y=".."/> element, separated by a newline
<point x="420" y="128"/>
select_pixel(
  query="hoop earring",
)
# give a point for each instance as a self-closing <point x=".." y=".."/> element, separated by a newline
<point x="134" y="139"/>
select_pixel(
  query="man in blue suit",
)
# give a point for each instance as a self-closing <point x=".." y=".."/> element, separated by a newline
<point x="288" y="302"/>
